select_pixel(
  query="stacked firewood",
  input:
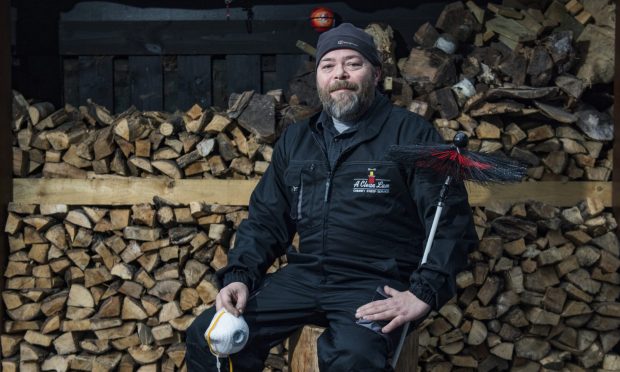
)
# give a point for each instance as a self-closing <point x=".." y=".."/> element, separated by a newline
<point x="542" y="290"/>
<point x="204" y="143"/>
<point x="104" y="288"/>
<point x="91" y="288"/>
<point x="532" y="80"/>
<point x="517" y="80"/>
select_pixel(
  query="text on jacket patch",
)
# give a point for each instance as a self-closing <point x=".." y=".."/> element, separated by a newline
<point x="370" y="184"/>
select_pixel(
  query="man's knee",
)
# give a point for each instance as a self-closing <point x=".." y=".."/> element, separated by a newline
<point x="352" y="353"/>
<point x="357" y="356"/>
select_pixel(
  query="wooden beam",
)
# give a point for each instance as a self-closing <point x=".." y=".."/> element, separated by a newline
<point x="561" y="194"/>
<point x="243" y="73"/>
<point x="286" y="68"/>
<point x="122" y="85"/>
<point x="182" y="37"/>
<point x="96" y="80"/>
<point x="194" y="82"/>
<point x="616" y="144"/>
<point x="200" y="27"/>
<point x="146" y="82"/>
<point x="71" y="81"/>
<point x="235" y="192"/>
<point x="134" y="190"/>
<point x="6" y="153"/>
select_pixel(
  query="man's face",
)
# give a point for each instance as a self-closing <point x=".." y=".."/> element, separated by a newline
<point x="346" y="84"/>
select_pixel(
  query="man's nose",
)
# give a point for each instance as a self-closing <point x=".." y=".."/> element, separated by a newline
<point x="341" y="72"/>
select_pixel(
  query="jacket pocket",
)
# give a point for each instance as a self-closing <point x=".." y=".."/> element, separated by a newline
<point x="388" y="266"/>
<point x="302" y="182"/>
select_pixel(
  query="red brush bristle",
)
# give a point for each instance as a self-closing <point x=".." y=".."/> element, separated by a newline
<point x="462" y="160"/>
<point x="460" y="164"/>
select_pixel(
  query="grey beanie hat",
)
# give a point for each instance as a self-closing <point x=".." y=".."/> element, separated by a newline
<point x="347" y="36"/>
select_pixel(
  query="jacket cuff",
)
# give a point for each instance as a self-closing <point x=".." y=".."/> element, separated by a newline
<point x="237" y="276"/>
<point x="425" y="293"/>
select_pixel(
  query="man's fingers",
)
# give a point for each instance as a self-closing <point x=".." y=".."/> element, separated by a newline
<point x="395" y="323"/>
<point x="381" y="315"/>
<point x="227" y="302"/>
<point x="398" y="309"/>
<point x="231" y="309"/>
<point x="370" y="308"/>
<point x="362" y="309"/>
<point x="233" y="298"/>
<point x="242" y="300"/>
<point x="390" y="291"/>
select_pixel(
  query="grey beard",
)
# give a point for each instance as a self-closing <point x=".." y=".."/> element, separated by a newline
<point x="349" y="108"/>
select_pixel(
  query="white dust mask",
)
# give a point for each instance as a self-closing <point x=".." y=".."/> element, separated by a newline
<point x="227" y="334"/>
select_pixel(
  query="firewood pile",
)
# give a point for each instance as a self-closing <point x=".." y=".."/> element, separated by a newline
<point x="532" y="80"/>
<point x="104" y="288"/>
<point x="532" y="83"/>
<point x="91" y="288"/>
<point x="109" y="288"/>
<point x="88" y="141"/>
<point x="542" y="291"/>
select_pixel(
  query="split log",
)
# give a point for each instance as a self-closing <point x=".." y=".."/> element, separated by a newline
<point x="172" y="126"/>
<point x="257" y="115"/>
<point x="129" y="128"/>
<point x="40" y="110"/>
<point x="427" y="69"/>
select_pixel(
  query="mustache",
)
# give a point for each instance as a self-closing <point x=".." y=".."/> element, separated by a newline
<point x="343" y="85"/>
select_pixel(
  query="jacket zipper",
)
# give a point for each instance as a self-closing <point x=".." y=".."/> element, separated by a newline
<point x="325" y="200"/>
<point x="329" y="173"/>
<point x="300" y="199"/>
<point x="327" y="184"/>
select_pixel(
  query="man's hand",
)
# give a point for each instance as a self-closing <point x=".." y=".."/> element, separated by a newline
<point x="233" y="298"/>
<point x="400" y="308"/>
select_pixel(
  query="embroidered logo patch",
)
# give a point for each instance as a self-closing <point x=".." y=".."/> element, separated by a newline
<point x="371" y="184"/>
<point x="343" y="42"/>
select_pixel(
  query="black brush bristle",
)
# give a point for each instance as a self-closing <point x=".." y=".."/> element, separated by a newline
<point x="459" y="163"/>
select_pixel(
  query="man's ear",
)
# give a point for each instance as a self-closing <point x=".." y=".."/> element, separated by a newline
<point x="377" y="74"/>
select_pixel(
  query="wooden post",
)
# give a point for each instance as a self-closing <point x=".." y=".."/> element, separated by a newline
<point x="6" y="154"/>
<point x="302" y="355"/>
<point x="616" y="155"/>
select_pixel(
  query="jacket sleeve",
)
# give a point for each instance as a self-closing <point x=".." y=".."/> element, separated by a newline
<point x="435" y="281"/>
<point x="268" y="230"/>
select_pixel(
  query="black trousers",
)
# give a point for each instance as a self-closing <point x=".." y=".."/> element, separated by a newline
<point x="291" y="298"/>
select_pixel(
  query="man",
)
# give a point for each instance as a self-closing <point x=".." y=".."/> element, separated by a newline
<point x="362" y="222"/>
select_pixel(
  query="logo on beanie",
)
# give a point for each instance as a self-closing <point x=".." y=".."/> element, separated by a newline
<point x="342" y="42"/>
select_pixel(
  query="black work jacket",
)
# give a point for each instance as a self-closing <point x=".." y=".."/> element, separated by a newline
<point x="362" y="215"/>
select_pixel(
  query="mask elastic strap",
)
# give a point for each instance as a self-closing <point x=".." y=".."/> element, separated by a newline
<point x="219" y="365"/>
<point x="211" y="349"/>
<point x="211" y="328"/>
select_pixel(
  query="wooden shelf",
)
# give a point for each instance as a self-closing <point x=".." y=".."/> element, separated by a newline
<point x="127" y="191"/>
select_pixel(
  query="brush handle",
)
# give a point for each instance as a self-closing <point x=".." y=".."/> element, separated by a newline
<point x="429" y="243"/>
